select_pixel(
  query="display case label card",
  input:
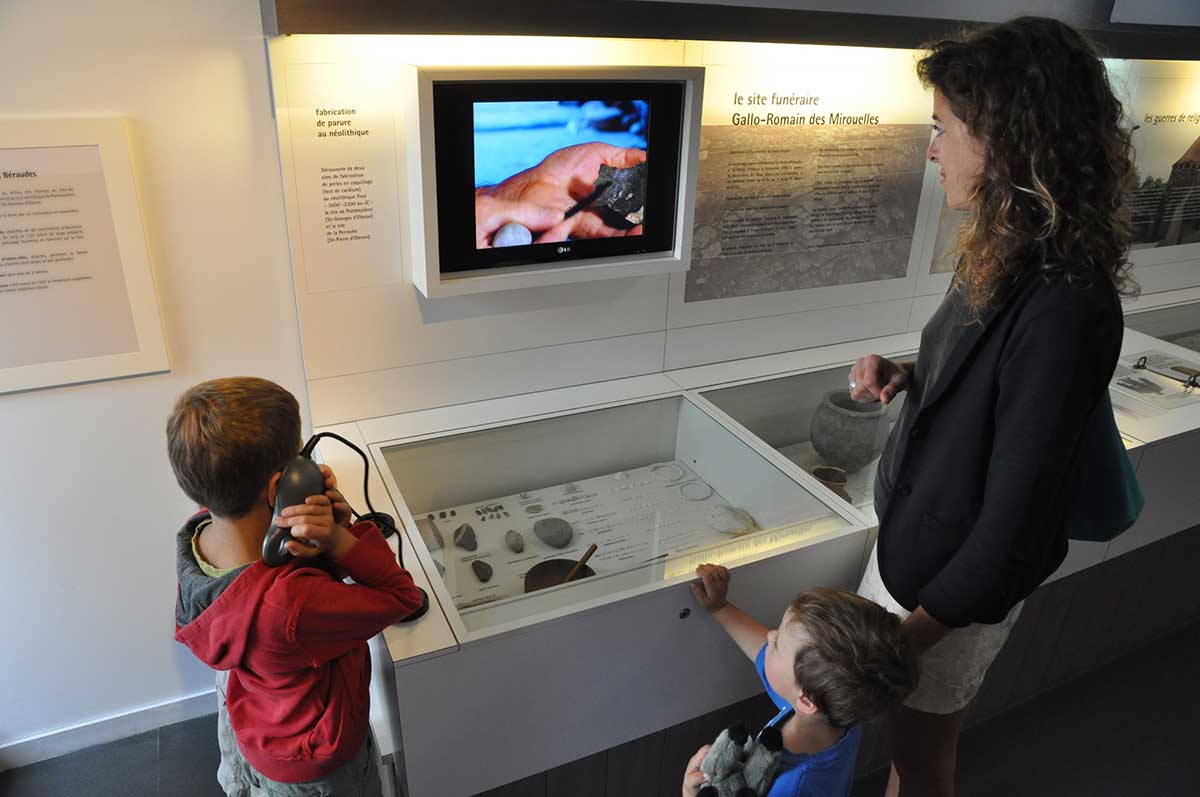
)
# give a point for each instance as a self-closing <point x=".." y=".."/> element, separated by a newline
<point x="1158" y="378"/>
<point x="343" y="142"/>
<point x="62" y="287"/>
<point x="642" y="517"/>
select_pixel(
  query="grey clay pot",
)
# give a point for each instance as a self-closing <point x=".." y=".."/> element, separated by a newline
<point x="846" y="433"/>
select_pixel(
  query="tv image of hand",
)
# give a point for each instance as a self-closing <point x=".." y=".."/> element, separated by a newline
<point x="539" y="197"/>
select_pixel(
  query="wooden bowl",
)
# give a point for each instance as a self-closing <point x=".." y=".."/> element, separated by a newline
<point x="551" y="572"/>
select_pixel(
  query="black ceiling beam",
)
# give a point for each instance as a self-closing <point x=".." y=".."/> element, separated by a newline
<point x="699" y="21"/>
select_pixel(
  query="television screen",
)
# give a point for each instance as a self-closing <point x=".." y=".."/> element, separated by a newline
<point x="534" y="171"/>
<point x="596" y="143"/>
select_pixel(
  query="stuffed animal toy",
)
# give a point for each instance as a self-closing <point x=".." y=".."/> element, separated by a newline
<point x="739" y="766"/>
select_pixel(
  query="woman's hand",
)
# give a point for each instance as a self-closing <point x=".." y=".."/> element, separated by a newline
<point x="875" y="378"/>
<point x="693" y="777"/>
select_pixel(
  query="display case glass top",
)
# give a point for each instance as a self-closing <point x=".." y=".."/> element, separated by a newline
<point x="1179" y="324"/>
<point x="811" y="420"/>
<point x="504" y="514"/>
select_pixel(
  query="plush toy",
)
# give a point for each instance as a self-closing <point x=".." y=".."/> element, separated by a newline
<point x="738" y="766"/>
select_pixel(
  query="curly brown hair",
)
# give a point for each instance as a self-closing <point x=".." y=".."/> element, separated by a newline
<point x="856" y="663"/>
<point x="1058" y="161"/>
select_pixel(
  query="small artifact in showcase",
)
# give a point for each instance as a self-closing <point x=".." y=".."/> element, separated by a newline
<point x="554" y="531"/>
<point x="848" y="434"/>
<point x="512" y="234"/>
<point x="834" y="479"/>
<point x="668" y="471"/>
<point x="464" y="537"/>
<point x="551" y="573"/>
<point x="731" y="520"/>
<point x="581" y="563"/>
<point x="1139" y="384"/>
<point x="514" y="541"/>
<point x="483" y="571"/>
<point x="430" y="534"/>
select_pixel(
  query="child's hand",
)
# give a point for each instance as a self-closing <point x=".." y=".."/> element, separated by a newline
<point x="693" y="778"/>
<point x="711" y="587"/>
<point x="341" y="509"/>
<point x="314" y="529"/>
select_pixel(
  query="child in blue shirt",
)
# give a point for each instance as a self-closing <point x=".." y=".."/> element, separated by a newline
<point x="835" y="661"/>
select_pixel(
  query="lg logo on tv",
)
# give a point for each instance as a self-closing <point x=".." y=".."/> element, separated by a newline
<point x="564" y="250"/>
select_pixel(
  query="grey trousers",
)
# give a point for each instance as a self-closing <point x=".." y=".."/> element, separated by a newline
<point x="358" y="777"/>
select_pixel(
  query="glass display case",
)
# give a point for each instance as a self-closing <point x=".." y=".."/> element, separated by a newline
<point x="1179" y="324"/>
<point x="810" y="419"/>
<point x="642" y="491"/>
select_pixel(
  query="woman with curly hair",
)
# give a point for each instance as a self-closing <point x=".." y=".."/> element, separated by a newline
<point x="972" y="488"/>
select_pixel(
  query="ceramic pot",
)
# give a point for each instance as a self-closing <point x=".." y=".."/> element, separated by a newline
<point x="846" y="433"/>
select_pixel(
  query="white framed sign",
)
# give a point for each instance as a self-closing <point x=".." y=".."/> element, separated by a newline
<point x="77" y="299"/>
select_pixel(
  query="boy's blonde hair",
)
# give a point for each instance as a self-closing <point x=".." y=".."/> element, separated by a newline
<point x="857" y="664"/>
<point x="227" y="437"/>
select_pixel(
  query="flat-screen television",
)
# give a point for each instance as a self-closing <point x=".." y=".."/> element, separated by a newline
<point x="538" y="171"/>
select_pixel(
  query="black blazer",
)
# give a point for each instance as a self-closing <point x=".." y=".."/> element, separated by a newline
<point x="975" y="519"/>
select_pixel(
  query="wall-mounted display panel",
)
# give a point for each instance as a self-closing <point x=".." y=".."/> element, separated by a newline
<point x="1164" y="108"/>
<point x="373" y="344"/>
<point x="527" y="177"/>
<point x="811" y="181"/>
<point x="77" y="300"/>
<point x="801" y="189"/>
<point x="658" y="486"/>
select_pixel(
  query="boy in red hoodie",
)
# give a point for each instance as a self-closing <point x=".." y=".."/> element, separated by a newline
<point x="289" y="643"/>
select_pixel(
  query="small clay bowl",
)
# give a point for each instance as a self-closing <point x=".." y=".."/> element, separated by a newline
<point x="834" y="479"/>
<point x="551" y="572"/>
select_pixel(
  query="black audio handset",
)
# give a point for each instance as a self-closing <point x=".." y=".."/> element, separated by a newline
<point x="301" y="478"/>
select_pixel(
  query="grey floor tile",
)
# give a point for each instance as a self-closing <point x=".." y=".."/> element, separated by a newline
<point x="126" y="768"/>
<point x="1128" y="729"/>
<point x="188" y="758"/>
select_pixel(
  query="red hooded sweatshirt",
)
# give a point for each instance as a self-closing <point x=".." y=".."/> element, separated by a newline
<point x="295" y="640"/>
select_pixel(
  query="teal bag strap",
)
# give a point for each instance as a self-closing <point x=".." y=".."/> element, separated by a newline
<point x="1107" y="498"/>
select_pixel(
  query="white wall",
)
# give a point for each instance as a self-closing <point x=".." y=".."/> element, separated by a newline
<point x="88" y="522"/>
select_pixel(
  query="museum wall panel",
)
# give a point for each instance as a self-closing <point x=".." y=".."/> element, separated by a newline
<point x="817" y="218"/>
<point x="368" y="326"/>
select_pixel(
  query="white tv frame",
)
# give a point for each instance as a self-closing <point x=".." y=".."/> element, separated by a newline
<point x="419" y="186"/>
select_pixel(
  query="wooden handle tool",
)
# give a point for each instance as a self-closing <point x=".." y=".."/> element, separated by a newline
<point x="582" y="561"/>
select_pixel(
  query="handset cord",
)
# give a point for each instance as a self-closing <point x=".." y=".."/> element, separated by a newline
<point x="385" y="521"/>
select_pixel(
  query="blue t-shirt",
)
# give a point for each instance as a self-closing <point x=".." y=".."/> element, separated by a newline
<point x="829" y="773"/>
